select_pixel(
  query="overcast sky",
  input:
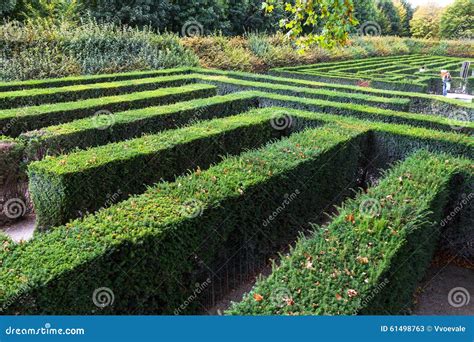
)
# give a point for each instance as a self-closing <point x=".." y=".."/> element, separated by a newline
<point x="439" y="2"/>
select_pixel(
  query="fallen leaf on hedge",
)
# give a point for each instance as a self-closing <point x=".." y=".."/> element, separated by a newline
<point x="350" y="218"/>
<point x="362" y="260"/>
<point x="257" y="297"/>
<point x="338" y="296"/>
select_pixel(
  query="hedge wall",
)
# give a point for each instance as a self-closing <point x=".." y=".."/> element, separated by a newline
<point x="157" y="246"/>
<point x="33" y="97"/>
<point x="69" y="186"/>
<point x="103" y="129"/>
<point x="365" y="262"/>
<point x="17" y="120"/>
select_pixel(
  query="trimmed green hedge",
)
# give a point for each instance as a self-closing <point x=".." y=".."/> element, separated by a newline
<point x="419" y="103"/>
<point x="366" y="112"/>
<point x="89" y="79"/>
<point x="33" y="97"/>
<point x="346" y="79"/>
<point x="152" y="249"/>
<point x="227" y="85"/>
<point x="67" y="187"/>
<point x="11" y="155"/>
<point x="381" y="73"/>
<point x="370" y="258"/>
<point x="103" y="129"/>
<point x="18" y="120"/>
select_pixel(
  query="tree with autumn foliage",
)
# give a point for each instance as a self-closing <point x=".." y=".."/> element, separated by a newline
<point x="425" y="22"/>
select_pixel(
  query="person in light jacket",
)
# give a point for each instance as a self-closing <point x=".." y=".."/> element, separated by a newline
<point x="446" y="77"/>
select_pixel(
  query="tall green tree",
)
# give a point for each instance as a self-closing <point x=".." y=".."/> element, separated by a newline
<point x="249" y="16"/>
<point x="199" y="16"/>
<point x="388" y="18"/>
<point x="457" y="20"/>
<point x="364" y="11"/>
<point x="405" y="11"/>
<point x="130" y="12"/>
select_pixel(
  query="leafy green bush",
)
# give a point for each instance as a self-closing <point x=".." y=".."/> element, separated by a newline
<point x="84" y="48"/>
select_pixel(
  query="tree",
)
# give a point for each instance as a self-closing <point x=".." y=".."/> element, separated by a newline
<point x="328" y="21"/>
<point x="405" y="12"/>
<point x="130" y="12"/>
<point x="425" y="22"/>
<point x="364" y="11"/>
<point x="388" y="18"/>
<point x="248" y="16"/>
<point x="457" y="21"/>
<point x="198" y="16"/>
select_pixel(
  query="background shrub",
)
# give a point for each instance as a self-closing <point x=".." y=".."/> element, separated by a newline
<point x="43" y="48"/>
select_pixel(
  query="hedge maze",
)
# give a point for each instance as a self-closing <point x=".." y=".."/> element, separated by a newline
<point x="417" y="73"/>
<point x="170" y="188"/>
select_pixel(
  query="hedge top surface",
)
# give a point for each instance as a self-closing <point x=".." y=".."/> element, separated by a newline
<point x="335" y="270"/>
<point x="97" y="78"/>
<point x="97" y="156"/>
<point x="341" y="87"/>
<point x="87" y="103"/>
<point x="158" y="211"/>
<point x="94" y="86"/>
<point x="133" y="115"/>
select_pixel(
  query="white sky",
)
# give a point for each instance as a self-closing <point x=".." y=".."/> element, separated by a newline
<point x="423" y="2"/>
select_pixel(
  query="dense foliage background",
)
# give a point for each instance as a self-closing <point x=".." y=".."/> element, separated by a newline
<point x="54" y="38"/>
